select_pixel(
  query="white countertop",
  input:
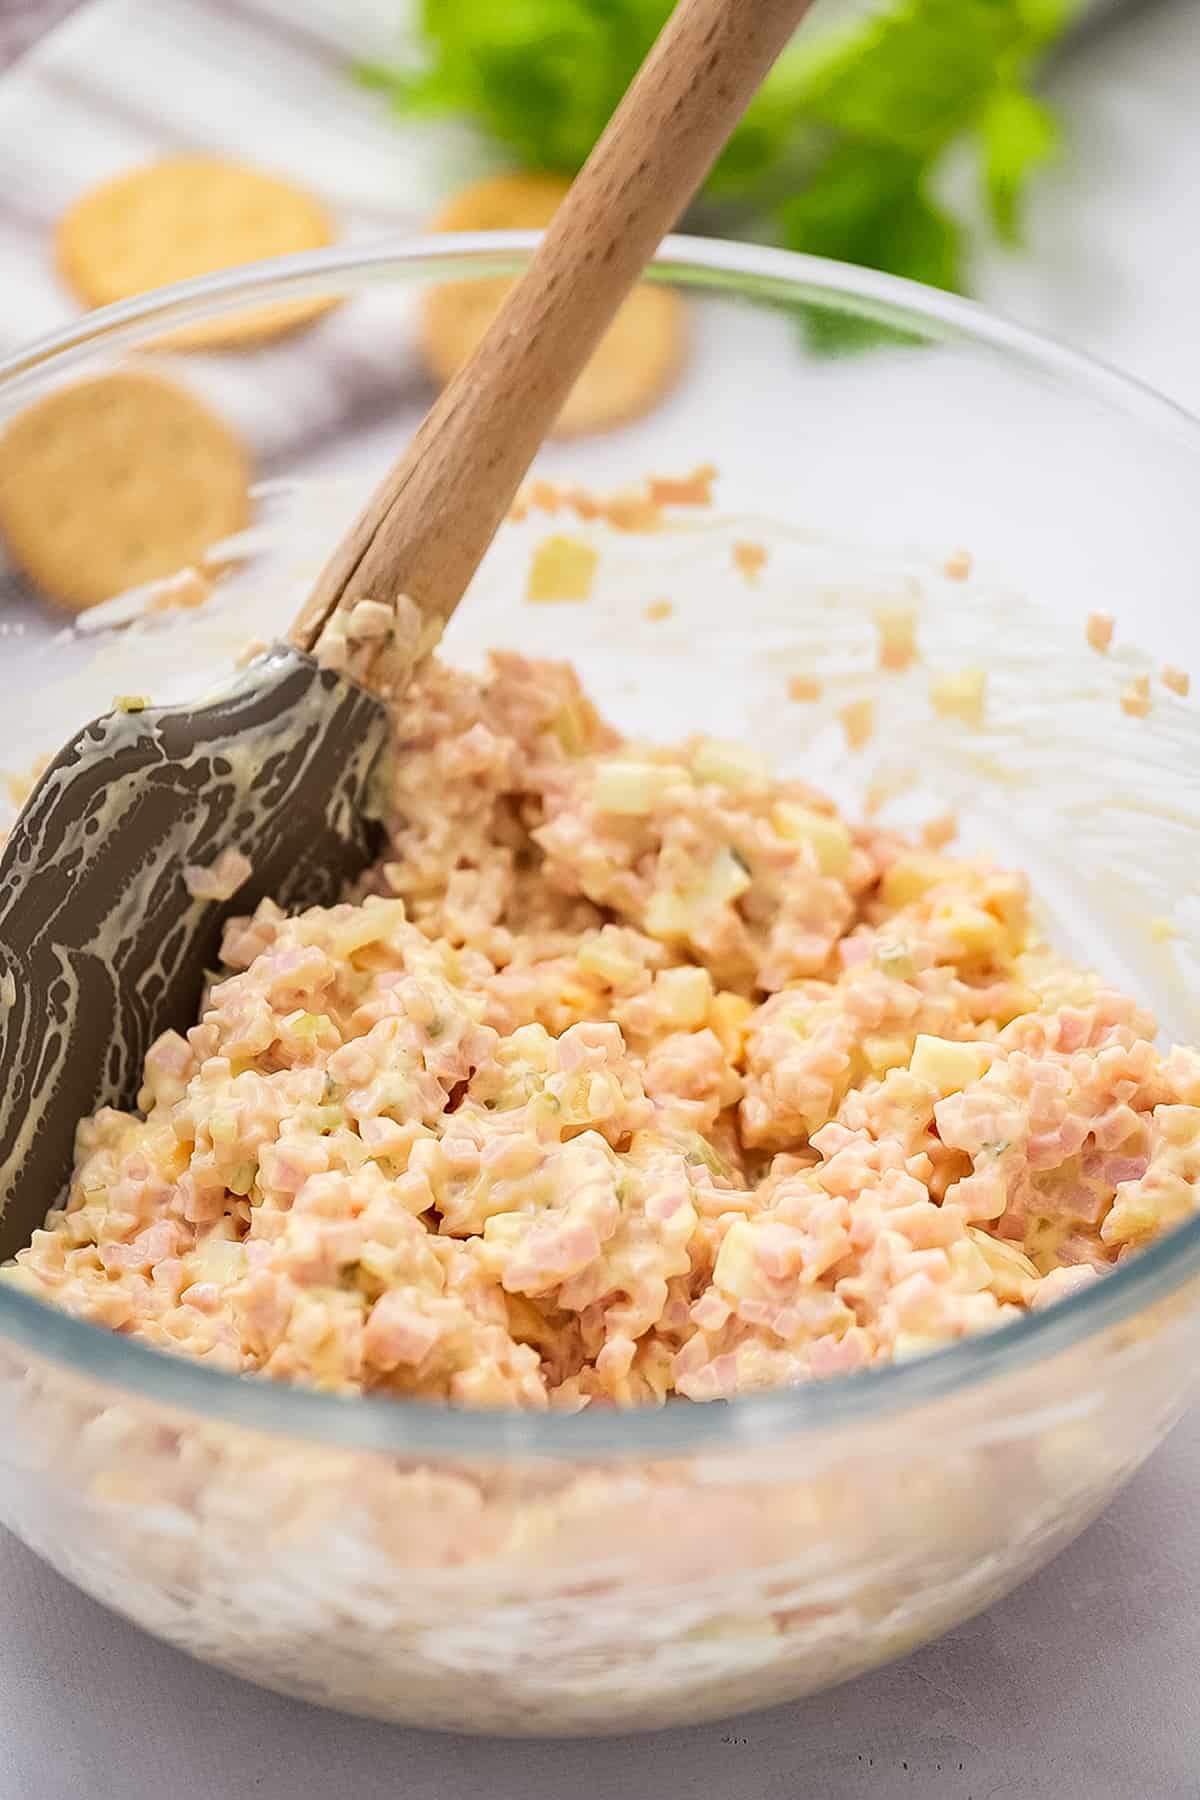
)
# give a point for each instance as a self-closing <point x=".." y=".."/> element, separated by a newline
<point x="1081" y="1684"/>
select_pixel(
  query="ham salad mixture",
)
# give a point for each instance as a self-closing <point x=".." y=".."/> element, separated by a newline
<point x="631" y="1073"/>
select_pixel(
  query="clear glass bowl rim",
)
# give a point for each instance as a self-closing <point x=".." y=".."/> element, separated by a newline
<point x="410" y="1428"/>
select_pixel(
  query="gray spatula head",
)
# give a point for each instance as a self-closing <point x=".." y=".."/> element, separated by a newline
<point x="102" y="946"/>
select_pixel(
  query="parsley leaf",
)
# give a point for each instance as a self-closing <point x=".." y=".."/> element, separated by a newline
<point x="916" y="75"/>
<point x="838" y="153"/>
<point x="1017" y="135"/>
<point x="866" y="203"/>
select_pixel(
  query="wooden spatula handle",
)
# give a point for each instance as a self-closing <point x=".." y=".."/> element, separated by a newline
<point x="425" y="529"/>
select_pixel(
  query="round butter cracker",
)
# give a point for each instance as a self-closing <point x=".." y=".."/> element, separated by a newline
<point x="114" y="481"/>
<point x="186" y="216"/>
<point x="635" y="362"/>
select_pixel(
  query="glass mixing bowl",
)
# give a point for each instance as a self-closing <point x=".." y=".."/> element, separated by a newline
<point x="532" y="1573"/>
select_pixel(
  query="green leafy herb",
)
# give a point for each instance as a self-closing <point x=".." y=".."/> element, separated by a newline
<point x="541" y="76"/>
<point x="1018" y="135"/>
<point x="838" y="155"/>
<point x="868" y="204"/>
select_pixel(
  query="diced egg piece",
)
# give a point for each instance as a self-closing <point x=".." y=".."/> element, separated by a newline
<point x="949" y="1066"/>
<point x="562" y="568"/>
<point x="911" y="876"/>
<point x="633" y="789"/>
<point x="729" y="765"/>
<point x="684" y="996"/>
<point x="959" y="696"/>
<point x="828" y="835"/>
